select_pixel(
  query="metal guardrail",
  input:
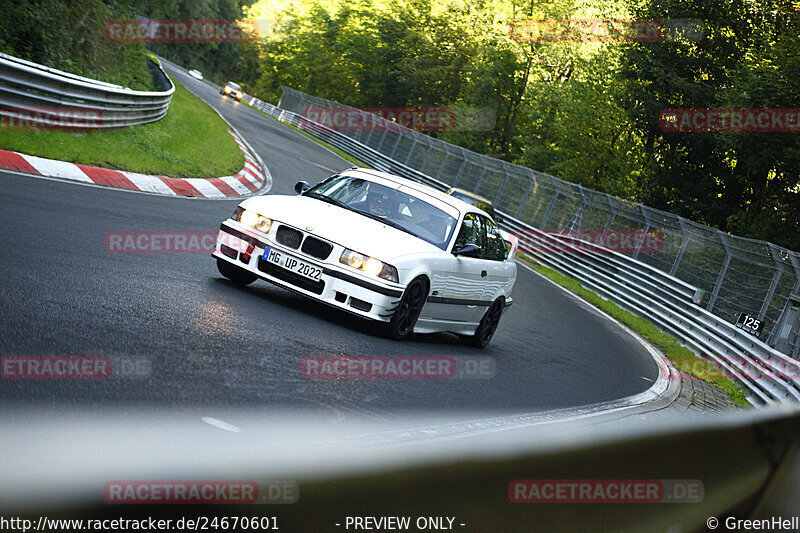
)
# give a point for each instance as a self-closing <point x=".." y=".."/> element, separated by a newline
<point x="768" y="375"/>
<point x="33" y="95"/>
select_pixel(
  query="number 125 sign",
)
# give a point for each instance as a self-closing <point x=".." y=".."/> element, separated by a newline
<point x="750" y="324"/>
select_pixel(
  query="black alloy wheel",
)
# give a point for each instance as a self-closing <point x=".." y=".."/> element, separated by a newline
<point x="408" y="310"/>
<point x="487" y="326"/>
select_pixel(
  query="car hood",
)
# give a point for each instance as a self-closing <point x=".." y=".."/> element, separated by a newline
<point x="340" y="226"/>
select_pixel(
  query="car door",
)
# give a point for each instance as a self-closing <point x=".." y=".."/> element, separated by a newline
<point x="462" y="297"/>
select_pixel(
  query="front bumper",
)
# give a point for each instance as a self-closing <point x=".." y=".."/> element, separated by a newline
<point x="338" y="285"/>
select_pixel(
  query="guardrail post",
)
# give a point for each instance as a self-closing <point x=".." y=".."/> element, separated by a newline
<point x="427" y="155"/>
<point x="770" y="294"/>
<point x="506" y="173"/>
<point x="370" y="132"/>
<point x="613" y="213"/>
<point x="480" y="179"/>
<point x="443" y="165"/>
<point x="684" y="244"/>
<point x="577" y="218"/>
<point x="552" y="202"/>
<point x="410" y="151"/>
<point x="383" y="137"/>
<point x="646" y="229"/>
<point x="396" y="145"/>
<point x="461" y="168"/>
<point x="773" y="286"/>
<point x="722" y="272"/>
<point x="527" y="192"/>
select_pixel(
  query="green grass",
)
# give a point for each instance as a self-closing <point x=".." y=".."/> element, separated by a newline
<point x="340" y="153"/>
<point x="191" y="141"/>
<point x="680" y="356"/>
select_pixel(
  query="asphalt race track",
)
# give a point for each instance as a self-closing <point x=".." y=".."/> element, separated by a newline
<point x="211" y="344"/>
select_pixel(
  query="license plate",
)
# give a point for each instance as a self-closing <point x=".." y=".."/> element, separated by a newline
<point x="293" y="264"/>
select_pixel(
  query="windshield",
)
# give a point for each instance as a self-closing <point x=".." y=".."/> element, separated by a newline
<point x="396" y="208"/>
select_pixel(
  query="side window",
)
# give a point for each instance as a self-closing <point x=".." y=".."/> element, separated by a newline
<point x="471" y="232"/>
<point x="495" y="245"/>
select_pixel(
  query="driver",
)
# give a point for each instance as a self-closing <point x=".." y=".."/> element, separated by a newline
<point x="378" y="203"/>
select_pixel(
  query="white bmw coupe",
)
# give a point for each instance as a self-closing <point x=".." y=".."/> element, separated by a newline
<point x="379" y="246"/>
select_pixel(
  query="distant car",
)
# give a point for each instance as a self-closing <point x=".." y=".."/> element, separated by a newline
<point x="485" y="205"/>
<point x="196" y="74"/>
<point x="378" y="246"/>
<point x="233" y="90"/>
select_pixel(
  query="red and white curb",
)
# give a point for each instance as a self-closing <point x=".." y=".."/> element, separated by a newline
<point x="250" y="179"/>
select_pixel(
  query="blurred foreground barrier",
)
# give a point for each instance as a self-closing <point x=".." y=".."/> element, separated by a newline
<point x="637" y="473"/>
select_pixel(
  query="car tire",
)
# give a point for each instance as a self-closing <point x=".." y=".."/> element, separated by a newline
<point x="405" y="316"/>
<point x="487" y="326"/>
<point x="234" y="273"/>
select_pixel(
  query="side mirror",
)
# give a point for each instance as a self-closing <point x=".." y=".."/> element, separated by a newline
<point x="301" y="186"/>
<point x="467" y="249"/>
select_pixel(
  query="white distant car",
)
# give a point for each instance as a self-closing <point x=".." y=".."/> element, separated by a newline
<point x="196" y="74"/>
<point x="378" y="246"/>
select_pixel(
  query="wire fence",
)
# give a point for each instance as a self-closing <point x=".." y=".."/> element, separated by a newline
<point x="733" y="274"/>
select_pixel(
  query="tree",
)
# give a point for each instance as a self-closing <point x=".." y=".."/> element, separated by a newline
<point x="744" y="182"/>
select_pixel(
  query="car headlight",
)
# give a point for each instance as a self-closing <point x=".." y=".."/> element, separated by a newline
<point x="238" y="95"/>
<point x="370" y="265"/>
<point x="248" y="217"/>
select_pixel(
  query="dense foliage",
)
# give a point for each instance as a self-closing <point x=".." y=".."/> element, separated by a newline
<point x="219" y="61"/>
<point x="68" y="35"/>
<point x="745" y="182"/>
